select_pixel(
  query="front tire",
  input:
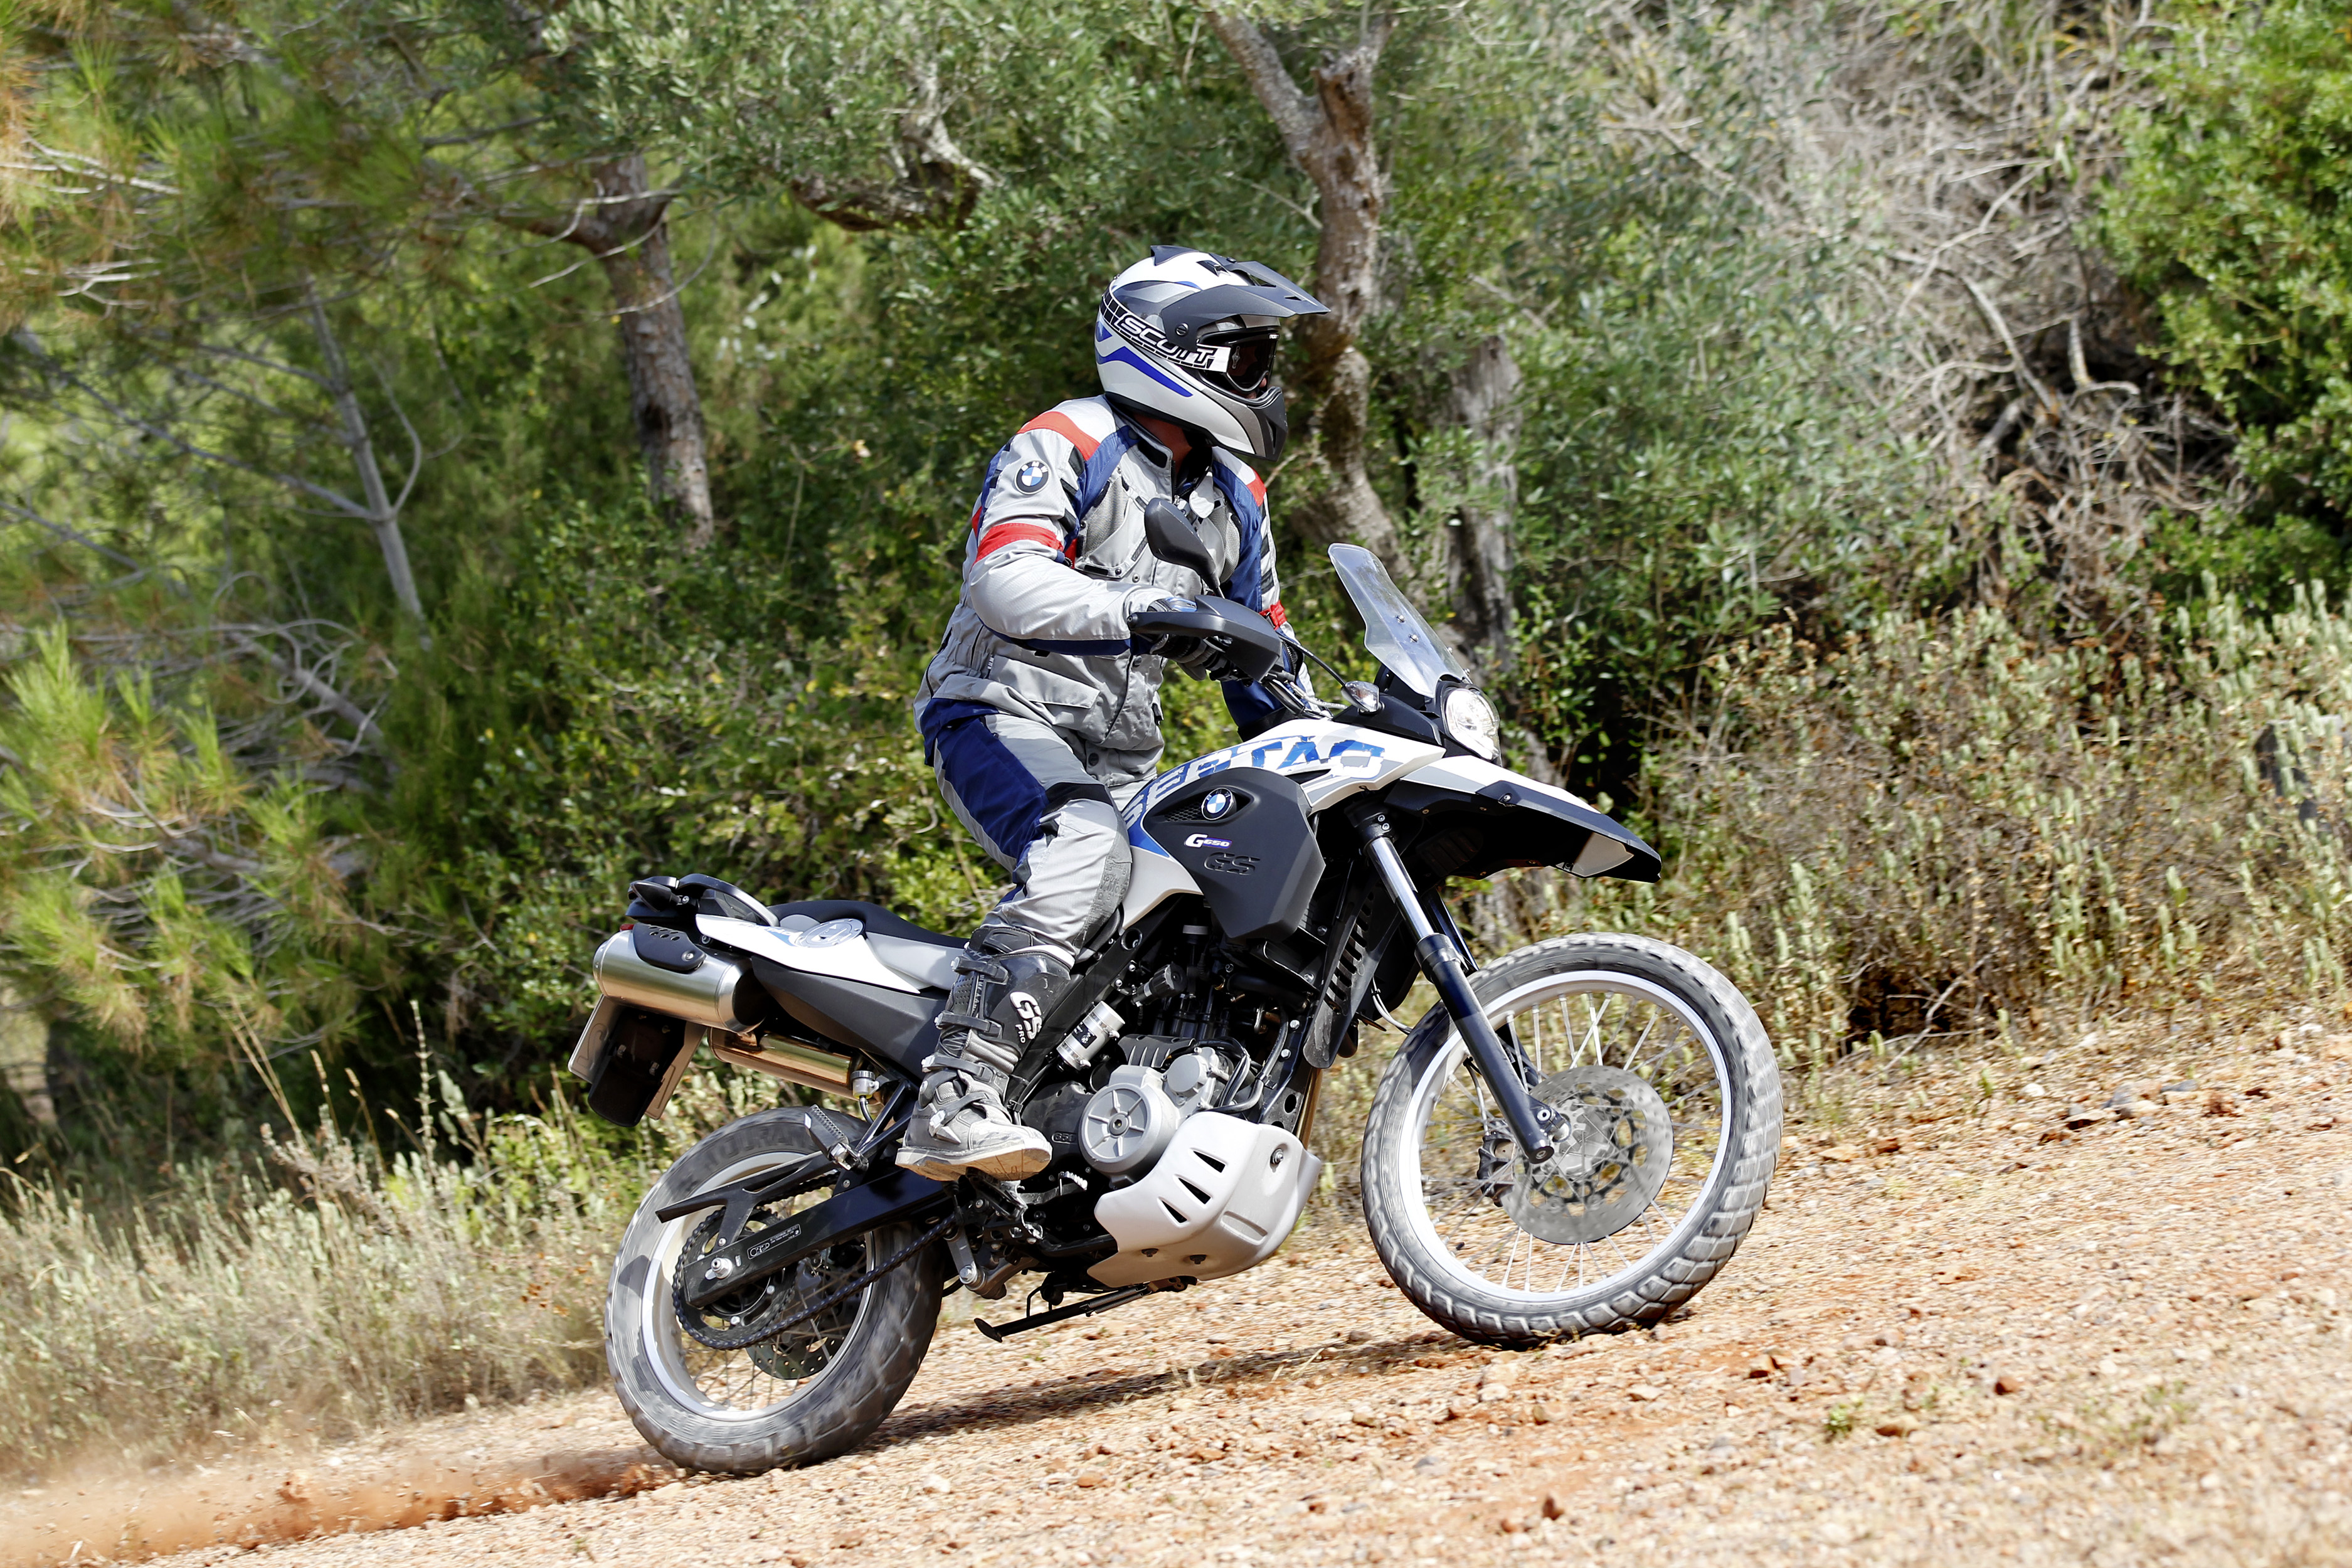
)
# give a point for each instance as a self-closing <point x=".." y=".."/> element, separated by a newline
<point x="1678" y="1106"/>
<point x="796" y="1399"/>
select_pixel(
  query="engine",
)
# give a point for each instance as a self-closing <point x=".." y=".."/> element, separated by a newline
<point x="1192" y="1189"/>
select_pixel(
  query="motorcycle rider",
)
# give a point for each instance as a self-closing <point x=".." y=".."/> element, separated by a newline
<point x="1040" y="713"/>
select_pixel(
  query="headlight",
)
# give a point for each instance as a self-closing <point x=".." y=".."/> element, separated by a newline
<point x="1469" y="719"/>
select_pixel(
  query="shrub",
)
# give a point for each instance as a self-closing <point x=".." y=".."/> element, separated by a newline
<point x="1936" y="824"/>
<point x="357" y="1291"/>
<point x="2232" y="213"/>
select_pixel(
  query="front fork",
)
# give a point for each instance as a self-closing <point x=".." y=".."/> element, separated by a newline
<point x="1441" y="957"/>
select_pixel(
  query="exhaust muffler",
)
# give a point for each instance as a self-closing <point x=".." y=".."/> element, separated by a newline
<point x="715" y="993"/>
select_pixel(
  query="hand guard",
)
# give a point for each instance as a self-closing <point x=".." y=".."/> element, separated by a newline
<point x="1191" y="653"/>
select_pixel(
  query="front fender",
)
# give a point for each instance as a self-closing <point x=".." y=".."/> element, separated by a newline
<point x="1532" y="824"/>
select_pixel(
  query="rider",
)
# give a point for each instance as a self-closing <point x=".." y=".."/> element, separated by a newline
<point x="1040" y="712"/>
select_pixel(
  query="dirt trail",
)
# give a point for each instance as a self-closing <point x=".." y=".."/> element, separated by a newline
<point x="1949" y="1340"/>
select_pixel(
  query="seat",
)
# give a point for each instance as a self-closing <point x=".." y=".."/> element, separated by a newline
<point x="874" y="918"/>
<point x="891" y="1026"/>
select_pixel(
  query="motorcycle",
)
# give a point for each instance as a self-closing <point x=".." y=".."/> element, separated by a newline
<point x="1574" y="1138"/>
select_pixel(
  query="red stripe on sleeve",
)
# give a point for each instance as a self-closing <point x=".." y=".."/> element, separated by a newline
<point x="1005" y="533"/>
<point x="1277" y="614"/>
<point x="1257" y="489"/>
<point x="1062" y="425"/>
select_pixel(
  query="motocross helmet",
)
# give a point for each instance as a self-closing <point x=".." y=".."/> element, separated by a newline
<point x="1188" y="336"/>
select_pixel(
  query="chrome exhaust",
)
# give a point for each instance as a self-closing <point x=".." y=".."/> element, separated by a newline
<point x="716" y="993"/>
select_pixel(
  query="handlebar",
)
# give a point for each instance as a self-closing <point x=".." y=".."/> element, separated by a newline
<point x="1243" y="645"/>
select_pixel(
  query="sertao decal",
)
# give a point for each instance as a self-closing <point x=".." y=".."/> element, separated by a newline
<point x="1344" y="756"/>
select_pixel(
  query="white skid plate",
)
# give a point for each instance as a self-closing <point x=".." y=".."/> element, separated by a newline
<point x="1223" y="1197"/>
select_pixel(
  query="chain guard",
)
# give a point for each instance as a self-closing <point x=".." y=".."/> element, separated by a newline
<point x="1605" y="1175"/>
<point x="753" y="1318"/>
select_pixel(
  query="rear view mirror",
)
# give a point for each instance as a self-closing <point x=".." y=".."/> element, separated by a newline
<point x="1172" y="540"/>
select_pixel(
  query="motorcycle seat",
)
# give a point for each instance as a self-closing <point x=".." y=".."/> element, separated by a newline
<point x="874" y="917"/>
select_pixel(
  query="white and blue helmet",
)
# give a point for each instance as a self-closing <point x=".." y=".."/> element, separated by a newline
<point x="1188" y="336"/>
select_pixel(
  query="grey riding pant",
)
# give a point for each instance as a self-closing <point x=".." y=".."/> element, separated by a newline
<point x="1047" y="810"/>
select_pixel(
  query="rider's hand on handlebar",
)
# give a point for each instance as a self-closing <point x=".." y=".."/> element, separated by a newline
<point x="1190" y="652"/>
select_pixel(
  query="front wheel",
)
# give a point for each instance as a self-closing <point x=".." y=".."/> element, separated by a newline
<point x="1674" y="1118"/>
<point x="806" y="1394"/>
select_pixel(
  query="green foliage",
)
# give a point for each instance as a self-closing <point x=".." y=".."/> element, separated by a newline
<point x="877" y="111"/>
<point x="253" y="926"/>
<point x="1704" y="442"/>
<point x="2231" y="215"/>
<point x="1699" y="459"/>
<point x="615" y="709"/>
<point x="1700" y="444"/>
<point x="1936" y="824"/>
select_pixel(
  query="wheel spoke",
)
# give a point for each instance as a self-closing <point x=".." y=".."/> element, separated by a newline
<point x="737" y="1382"/>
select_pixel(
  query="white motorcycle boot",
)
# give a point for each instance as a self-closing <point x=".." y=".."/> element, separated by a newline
<point x="1008" y="986"/>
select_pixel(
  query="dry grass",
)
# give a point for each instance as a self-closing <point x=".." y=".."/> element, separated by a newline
<point x="339" y="1291"/>
<point x="1941" y="830"/>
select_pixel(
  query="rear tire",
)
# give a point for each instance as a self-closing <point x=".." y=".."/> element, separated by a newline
<point x="723" y="1411"/>
<point x="1440" y="1209"/>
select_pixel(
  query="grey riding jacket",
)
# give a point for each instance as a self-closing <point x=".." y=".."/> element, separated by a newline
<point x="1054" y="553"/>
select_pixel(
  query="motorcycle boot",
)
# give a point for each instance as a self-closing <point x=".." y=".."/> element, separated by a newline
<point x="1008" y="984"/>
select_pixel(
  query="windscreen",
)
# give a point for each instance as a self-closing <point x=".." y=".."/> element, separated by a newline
<point x="1394" y="632"/>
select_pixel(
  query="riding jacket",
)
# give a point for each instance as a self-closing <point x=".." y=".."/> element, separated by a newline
<point x="1054" y="551"/>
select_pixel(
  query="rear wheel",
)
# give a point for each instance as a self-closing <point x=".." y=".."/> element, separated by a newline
<point x="808" y="1393"/>
<point x="1674" y="1106"/>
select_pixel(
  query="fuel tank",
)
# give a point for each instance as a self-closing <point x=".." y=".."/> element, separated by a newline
<point x="1244" y="836"/>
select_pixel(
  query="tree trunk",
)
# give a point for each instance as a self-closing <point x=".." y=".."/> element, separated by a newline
<point x="1478" y="566"/>
<point x="1330" y="136"/>
<point x="624" y="225"/>
<point x="383" y="511"/>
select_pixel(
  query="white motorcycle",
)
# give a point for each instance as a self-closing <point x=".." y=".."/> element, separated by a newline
<point x="1574" y="1138"/>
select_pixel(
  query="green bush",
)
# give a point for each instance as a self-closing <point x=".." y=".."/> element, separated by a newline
<point x="2232" y="213"/>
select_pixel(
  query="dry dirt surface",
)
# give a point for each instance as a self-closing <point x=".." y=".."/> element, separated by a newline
<point x="1963" y="1332"/>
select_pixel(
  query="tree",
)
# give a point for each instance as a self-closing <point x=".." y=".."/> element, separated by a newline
<point x="174" y="248"/>
<point x="1330" y="136"/>
<point x="623" y="224"/>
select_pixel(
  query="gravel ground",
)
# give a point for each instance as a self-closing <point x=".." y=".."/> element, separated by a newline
<point x="1962" y="1331"/>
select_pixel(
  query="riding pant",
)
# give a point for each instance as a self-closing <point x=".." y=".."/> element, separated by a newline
<point x="1047" y="810"/>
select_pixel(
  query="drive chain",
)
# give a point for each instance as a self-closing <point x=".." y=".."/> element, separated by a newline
<point x="825" y="1302"/>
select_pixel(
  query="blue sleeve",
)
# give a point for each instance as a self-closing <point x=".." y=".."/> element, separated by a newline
<point x="1253" y="712"/>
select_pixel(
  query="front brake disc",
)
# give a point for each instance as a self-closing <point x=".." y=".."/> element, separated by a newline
<point x="1603" y="1176"/>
